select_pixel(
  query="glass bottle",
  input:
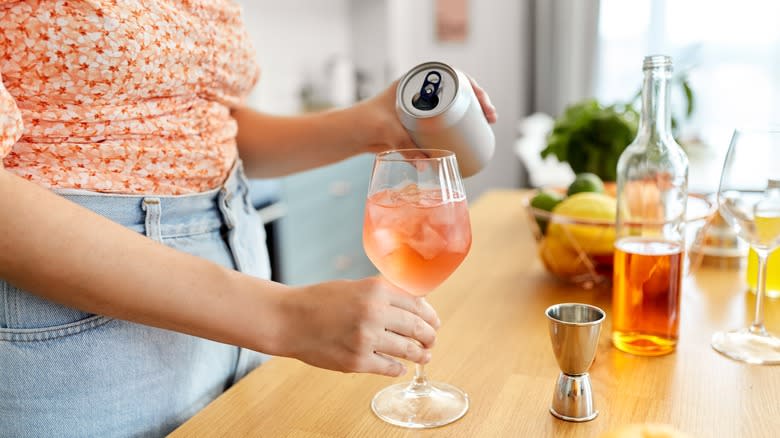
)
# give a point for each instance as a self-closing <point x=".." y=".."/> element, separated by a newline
<point x="652" y="193"/>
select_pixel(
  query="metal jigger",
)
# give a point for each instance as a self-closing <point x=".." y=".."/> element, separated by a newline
<point x="574" y="332"/>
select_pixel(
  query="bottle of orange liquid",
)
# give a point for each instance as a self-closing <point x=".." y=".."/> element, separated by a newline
<point x="652" y="193"/>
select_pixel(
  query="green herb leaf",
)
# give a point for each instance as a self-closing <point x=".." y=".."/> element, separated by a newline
<point x="590" y="137"/>
<point x="688" y="97"/>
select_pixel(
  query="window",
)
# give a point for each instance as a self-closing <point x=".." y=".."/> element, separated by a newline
<point x="732" y="51"/>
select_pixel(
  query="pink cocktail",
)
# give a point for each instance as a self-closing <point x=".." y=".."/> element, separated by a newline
<point x="415" y="237"/>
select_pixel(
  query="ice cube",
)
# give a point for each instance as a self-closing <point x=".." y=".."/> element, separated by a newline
<point x="409" y="193"/>
<point x="445" y="214"/>
<point x="374" y="213"/>
<point x="382" y="217"/>
<point x="384" y="197"/>
<point x="385" y="241"/>
<point x="427" y="242"/>
<point x="430" y="197"/>
<point x="458" y="242"/>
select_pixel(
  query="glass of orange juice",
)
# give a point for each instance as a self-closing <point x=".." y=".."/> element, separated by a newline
<point x="772" y="273"/>
<point x="417" y="231"/>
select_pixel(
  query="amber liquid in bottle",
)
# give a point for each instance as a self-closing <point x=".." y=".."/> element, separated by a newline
<point x="652" y="193"/>
<point x="648" y="272"/>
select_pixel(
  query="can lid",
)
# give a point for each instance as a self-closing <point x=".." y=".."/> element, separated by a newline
<point x="411" y="86"/>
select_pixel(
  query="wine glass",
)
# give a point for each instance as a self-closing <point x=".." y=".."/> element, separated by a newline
<point x="416" y="232"/>
<point x="749" y="200"/>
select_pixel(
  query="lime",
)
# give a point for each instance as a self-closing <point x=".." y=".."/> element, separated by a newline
<point x="584" y="183"/>
<point x="591" y="239"/>
<point x="545" y="200"/>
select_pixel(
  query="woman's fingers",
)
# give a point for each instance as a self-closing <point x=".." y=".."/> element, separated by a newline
<point x="484" y="101"/>
<point x="411" y="326"/>
<point x="387" y="366"/>
<point x="356" y="326"/>
<point x="380" y="128"/>
<point x="397" y="346"/>
<point x="414" y="154"/>
<point x="416" y="305"/>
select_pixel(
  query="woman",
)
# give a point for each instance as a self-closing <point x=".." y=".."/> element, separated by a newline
<point x="125" y="220"/>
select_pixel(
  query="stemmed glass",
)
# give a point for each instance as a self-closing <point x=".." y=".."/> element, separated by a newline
<point x="749" y="200"/>
<point x="417" y="232"/>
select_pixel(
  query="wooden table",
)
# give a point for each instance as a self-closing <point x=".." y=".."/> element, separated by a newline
<point x="494" y="344"/>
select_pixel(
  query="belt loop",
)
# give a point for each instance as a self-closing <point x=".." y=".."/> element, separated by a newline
<point x="244" y="180"/>
<point x="225" y="200"/>
<point x="240" y="171"/>
<point x="153" y="213"/>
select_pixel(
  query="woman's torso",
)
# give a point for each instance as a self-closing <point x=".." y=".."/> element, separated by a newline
<point x="125" y="96"/>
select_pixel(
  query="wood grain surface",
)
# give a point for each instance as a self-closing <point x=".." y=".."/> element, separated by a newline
<point x="494" y="344"/>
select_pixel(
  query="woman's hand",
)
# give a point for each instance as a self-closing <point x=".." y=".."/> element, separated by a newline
<point x="357" y="326"/>
<point x="383" y="130"/>
<point x="273" y="146"/>
<point x="484" y="101"/>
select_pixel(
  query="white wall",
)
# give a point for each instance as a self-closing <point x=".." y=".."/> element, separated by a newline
<point x="369" y="35"/>
<point x="293" y="37"/>
<point x="492" y="54"/>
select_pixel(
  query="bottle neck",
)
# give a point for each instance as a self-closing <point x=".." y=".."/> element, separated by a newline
<point x="656" y="118"/>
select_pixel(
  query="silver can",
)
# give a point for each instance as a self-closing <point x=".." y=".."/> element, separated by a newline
<point x="439" y="109"/>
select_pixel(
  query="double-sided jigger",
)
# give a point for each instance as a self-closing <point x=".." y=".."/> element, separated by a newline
<point x="574" y="333"/>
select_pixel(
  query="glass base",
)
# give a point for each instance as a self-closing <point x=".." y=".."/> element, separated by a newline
<point x="745" y="345"/>
<point x="420" y="406"/>
<point x="643" y="345"/>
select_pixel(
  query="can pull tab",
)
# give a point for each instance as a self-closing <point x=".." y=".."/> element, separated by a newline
<point x="428" y="98"/>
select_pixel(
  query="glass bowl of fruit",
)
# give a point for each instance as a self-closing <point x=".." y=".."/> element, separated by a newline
<point x="574" y="229"/>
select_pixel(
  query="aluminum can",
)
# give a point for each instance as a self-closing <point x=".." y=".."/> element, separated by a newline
<point x="439" y="109"/>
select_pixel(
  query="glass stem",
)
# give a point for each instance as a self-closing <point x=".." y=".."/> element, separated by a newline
<point x="758" y="320"/>
<point x="420" y="379"/>
<point x="420" y="382"/>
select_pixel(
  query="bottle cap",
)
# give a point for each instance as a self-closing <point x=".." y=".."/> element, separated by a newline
<point x="655" y="61"/>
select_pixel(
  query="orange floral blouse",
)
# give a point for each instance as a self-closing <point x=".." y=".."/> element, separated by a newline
<point x="122" y="96"/>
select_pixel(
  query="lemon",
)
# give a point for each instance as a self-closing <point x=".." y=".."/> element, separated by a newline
<point x="560" y="259"/>
<point x="586" y="182"/>
<point x="591" y="239"/>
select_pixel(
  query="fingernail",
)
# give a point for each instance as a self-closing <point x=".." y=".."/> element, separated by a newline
<point x="438" y="322"/>
<point x="403" y="371"/>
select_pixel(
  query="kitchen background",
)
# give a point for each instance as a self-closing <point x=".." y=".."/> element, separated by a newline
<point x="534" y="57"/>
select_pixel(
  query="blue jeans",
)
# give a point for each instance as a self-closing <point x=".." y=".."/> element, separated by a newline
<point x="64" y="372"/>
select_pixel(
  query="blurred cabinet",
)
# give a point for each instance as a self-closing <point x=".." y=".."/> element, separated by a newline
<point x="320" y="236"/>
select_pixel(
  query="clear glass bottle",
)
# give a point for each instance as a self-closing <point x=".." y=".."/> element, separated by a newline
<point x="652" y="193"/>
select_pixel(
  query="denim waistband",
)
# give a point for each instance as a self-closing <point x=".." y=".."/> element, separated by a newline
<point x="172" y="214"/>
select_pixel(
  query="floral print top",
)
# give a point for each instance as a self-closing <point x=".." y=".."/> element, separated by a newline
<point x="122" y="96"/>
